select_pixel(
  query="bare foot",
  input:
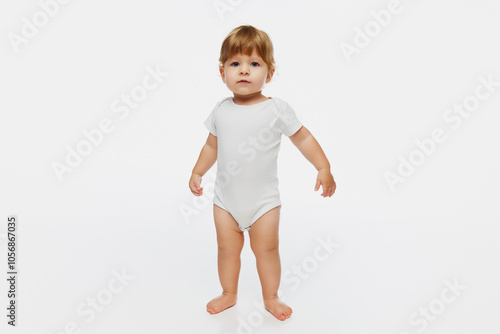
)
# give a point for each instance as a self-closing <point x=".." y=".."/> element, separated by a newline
<point x="277" y="308"/>
<point x="220" y="303"/>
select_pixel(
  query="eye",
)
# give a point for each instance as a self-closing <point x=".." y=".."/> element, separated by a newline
<point x="234" y="64"/>
<point x="255" y="64"/>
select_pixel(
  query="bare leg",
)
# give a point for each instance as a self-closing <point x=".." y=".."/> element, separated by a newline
<point x="264" y="241"/>
<point x="230" y="243"/>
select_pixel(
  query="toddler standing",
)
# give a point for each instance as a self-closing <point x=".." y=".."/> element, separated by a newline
<point x="244" y="138"/>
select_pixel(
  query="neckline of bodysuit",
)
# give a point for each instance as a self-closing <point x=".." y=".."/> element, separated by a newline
<point x="251" y="105"/>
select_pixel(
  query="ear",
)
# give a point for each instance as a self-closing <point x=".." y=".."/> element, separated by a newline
<point x="222" y="74"/>
<point x="270" y="74"/>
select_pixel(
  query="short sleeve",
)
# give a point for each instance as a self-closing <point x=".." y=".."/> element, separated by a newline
<point x="210" y="121"/>
<point x="288" y="122"/>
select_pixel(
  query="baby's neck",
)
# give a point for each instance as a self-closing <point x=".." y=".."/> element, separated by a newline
<point x="250" y="99"/>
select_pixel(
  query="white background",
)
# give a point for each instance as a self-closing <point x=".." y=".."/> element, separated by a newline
<point x="126" y="206"/>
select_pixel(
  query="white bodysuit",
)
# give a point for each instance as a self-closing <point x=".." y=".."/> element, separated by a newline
<point x="248" y="141"/>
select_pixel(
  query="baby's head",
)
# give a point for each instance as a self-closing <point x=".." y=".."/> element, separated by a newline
<point x="246" y="39"/>
<point x="246" y="52"/>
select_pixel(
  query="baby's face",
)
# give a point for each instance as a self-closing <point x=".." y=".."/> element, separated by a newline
<point x="245" y="75"/>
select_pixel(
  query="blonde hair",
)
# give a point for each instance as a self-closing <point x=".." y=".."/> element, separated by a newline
<point x="244" y="39"/>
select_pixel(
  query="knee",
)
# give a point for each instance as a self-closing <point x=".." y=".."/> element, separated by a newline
<point x="229" y="250"/>
<point x="263" y="250"/>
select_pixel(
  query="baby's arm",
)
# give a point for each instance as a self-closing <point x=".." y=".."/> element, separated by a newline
<point x="309" y="147"/>
<point x="207" y="158"/>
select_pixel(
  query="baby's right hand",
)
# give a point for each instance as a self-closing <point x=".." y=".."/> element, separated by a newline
<point x="194" y="185"/>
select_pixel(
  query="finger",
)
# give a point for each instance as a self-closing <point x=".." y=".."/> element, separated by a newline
<point x="196" y="190"/>
<point x="328" y="190"/>
<point x="318" y="182"/>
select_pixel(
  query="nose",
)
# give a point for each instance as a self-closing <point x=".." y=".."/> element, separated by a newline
<point x="244" y="69"/>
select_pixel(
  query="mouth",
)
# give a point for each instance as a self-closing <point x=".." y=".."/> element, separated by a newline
<point x="243" y="81"/>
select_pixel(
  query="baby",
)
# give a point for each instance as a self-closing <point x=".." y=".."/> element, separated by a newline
<point x="244" y="139"/>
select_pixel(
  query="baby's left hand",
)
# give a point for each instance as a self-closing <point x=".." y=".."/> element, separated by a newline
<point x="325" y="178"/>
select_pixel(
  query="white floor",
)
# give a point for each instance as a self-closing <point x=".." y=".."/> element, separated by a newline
<point x="379" y="275"/>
